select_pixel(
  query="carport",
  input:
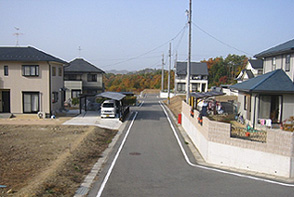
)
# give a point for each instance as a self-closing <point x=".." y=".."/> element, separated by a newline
<point x="122" y="111"/>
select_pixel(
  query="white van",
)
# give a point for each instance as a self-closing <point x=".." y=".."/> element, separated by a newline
<point x="108" y="109"/>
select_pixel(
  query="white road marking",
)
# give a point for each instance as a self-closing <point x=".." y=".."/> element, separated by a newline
<point x="141" y="104"/>
<point x="115" y="158"/>
<point x="214" y="169"/>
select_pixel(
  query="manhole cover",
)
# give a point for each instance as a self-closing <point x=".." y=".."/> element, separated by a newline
<point x="135" y="153"/>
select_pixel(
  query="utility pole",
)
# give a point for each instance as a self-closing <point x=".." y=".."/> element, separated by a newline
<point x="189" y="52"/>
<point x="168" y="83"/>
<point x="175" y="68"/>
<point x="162" y="73"/>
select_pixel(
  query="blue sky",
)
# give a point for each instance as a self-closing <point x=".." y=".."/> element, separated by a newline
<point x="133" y="34"/>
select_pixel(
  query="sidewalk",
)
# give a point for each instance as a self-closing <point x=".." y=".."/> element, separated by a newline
<point x="92" y="118"/>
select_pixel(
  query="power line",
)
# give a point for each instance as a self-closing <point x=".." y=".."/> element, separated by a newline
<point x="230" y="46"/>
<point x="180" y="40"/>
<point x="133" y="58"/>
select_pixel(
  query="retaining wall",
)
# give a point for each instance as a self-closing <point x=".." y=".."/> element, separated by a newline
<point x="214" y="143"/>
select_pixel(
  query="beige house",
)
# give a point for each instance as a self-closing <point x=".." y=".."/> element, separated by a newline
<point x="31" y="81"/>
<point x="81" y="77"/>
<point x="279" y="57"/>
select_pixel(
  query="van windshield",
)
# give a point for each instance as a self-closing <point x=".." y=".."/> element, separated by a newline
<point x="108" y="105"/>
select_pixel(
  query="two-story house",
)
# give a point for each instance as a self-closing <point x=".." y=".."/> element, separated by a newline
<point x="279" y="57"/>
<point x="269" y="97"/>
<point x="31" y="81"/>
<point x="198" y="77"/>
<point x="81" y="77"/>
<point x="253" y="69"/>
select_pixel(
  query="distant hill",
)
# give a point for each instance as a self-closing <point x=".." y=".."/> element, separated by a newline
<point x="135" y="81"/>
<point x="123" y="72"/>
<point x="117" y="71"/>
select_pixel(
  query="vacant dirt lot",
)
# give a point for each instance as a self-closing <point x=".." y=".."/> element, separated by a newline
<point x="48" y="160"/>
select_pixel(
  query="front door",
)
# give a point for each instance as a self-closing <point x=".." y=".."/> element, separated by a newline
<point x="6" y="101"/>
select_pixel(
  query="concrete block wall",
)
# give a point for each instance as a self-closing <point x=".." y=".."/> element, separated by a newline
<point x="213" y="141"/>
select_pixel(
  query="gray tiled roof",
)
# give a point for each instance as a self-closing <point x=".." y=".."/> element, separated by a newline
<point x="256" y="64"/>
<point x="26" y="54"/>
<point x="249" y="74"/>
<point x="280" y="49"/>
<point x="197" y="68"/>
<point x="80" y="65"/>
<point x="112" y="95"/>
<point x="276" y="81"/>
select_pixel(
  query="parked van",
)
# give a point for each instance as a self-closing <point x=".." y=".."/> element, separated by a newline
<point x="108" y="109"/>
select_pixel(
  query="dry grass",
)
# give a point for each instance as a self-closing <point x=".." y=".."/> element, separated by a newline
<point x="175" y="104"/>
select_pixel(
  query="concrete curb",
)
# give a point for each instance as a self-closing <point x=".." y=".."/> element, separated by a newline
<point x="89" y="180"/>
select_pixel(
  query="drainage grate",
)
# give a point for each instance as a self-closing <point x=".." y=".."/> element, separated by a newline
<point x="135" y="153"/>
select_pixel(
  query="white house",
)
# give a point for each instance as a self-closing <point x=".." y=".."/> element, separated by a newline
<point x="198" y="77"/>
<point x="253" y="69"/>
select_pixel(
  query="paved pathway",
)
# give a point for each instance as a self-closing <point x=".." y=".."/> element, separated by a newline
<point x="93" y="118"/>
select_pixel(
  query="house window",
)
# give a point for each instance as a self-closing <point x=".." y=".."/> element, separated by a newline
<point x="72" y="77"/>
<point x="54" y="97"/>
<point x="195" y="87"/>
<point x="30" y="70"/>
<point x="274" y="63"/>
<point x="60" y="71"/>
<point x="75" y="93"/>
<point x="5" y="70"/>
<point x="53" y="71"/>
<point x="287" y="66"/>
<point x="92" y="77"/>
<point x="270" y="107"/>
<point x="30" y="102"/>
<point x="181" y="87"/>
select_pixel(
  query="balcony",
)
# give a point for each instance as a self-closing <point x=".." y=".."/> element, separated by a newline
<point x="73" y="84"/>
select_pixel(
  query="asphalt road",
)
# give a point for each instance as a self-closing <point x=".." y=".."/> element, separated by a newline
<point x="151" y="164"/>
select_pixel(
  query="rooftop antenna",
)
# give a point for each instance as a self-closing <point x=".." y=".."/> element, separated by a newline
<point x="17" y="34"/>
<point x="80" y="51"/>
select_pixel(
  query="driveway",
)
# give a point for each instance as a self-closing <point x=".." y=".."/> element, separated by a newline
<point x="93" y="118"/>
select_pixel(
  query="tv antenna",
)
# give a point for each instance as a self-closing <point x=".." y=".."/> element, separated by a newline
<point x="17" y="34"/>
<point x="80" y="49"/>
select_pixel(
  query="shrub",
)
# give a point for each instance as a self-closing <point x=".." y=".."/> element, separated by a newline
<point x="75" y="101"/>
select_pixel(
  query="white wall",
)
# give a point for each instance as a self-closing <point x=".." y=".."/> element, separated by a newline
<point x="164" y="95"/>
